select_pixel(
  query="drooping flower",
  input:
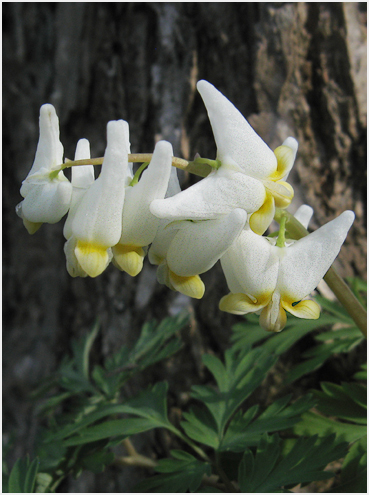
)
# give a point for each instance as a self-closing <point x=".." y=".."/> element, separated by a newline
<point x="47" y="195"/>
<point x="186" y="249"/>
<point x="139" y="224"/>
<point x="251" y="176"/>
<point x="97" y="224"/>
<point x="82" y="178"/>
<point x="264" y="277"/>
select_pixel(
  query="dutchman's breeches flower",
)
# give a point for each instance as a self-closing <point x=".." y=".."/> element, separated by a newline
<point x="139" y="224"/>
<point x="264" y="277"/>
<point x="97" y="224"/>
<point x="250" y="176"/>
<point x="185" y="249"/>
<point x="46" y="195"/>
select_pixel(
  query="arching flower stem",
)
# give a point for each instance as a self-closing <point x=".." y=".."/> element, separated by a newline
<point x="200" y="166"/>
<point x="344" y="294"/>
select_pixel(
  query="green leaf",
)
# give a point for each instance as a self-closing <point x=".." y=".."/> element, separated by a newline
<point x="361" y="375"/>
<point x="312" y="423"/>
<point x="336" y="400"/>
<point x="237" y="378"/>
<point x="348" y="332"/>
<point x="334" y="308"/>
<point x="354" y="469"/>
<point x="23" y="476"/>
<point x="50" y="453"/>
<point x="199" y="425"/>
<point x="296" y="328"/>
<point x="178" y="475"/>
<point x="359" y="288"/>
<point x="117" y="427"/>
<point x="306" y="367"/>
<point x="156" y="342"/>
<point x="268" y="470"/>
<point x="247" y="333"/>
<point x="245" y="431"/>
<point x="150" y="346"/>
<point x="150" y="406"/>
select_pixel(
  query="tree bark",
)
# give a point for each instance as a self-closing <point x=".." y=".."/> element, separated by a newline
<point x="294" y="69"/>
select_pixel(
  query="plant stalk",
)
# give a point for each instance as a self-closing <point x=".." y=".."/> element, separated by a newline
<point x="201" y="168"/>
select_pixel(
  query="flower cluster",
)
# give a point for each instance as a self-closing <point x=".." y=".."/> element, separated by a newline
<point x="122" y="215"/>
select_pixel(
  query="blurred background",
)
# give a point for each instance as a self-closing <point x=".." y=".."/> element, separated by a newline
<point x="292" y="69"/>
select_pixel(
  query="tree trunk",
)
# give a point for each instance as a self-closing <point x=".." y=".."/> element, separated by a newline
<point x="294" y="69"/>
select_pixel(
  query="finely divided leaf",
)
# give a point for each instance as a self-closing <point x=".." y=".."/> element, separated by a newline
<point x="243" y="431"/>
<point x="241" y="374"/>
<point x="150" y="406"/>
<point x="200" y="425"/>
<point x="178" y="475"/>
<point x="269" y="471"/>
<point x="312" y="424"/>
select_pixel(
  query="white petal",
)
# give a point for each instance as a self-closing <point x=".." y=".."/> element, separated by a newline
<point x="82" y="175"/>
<point x="47" y="202"/>
<point x="197" y="246"/>
<point x="218" y="194"/>
<point x="231" y="274"/>
<point x="252" y="264"/>
<point x="99" y="215"/>
<point x="234" y="136"/>
<point x="304" y="214"/>
<point x="160" y="245"/>
<point x="139" y="224"/>
<point x="82" y="178"/>
<point x="173" y="184"/>
<point x="306" y="262"/>
<point x="49" y="151"/>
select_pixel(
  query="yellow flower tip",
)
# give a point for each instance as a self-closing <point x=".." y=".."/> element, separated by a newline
<point x="189" y="286"/>
<point x="93" y="258"/>
<point x="285" y="158"/>
<point x="263" y="217"/>
<point x="31" y="227"/>
<point x="307" y="308"/>
<point x="129" y="258"/>
<point x="237" y="304"/>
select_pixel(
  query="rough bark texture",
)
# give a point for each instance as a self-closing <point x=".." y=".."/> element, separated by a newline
<point x="294" y="69"/>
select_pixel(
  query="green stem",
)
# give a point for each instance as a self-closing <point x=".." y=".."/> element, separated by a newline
<point x="138" y="173"/>
<point x="200" y="166"/>
<point x="281" y="241"/>
<point x="336" y="283"/>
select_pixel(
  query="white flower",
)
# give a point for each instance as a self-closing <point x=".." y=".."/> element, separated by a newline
<point x="262" y="276"/>
<point x="250" y="176"/>
<point x="97" y="224"/>
<point x="46" y="196"/>
<point x="82" y="178"/>
<point x="139" y="224"/>
<point x="185" y="249"/>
